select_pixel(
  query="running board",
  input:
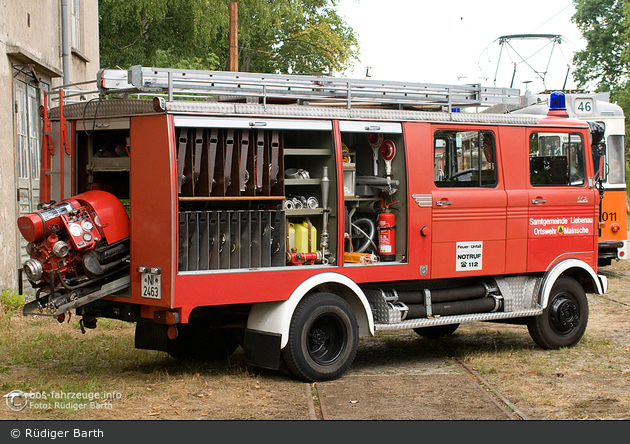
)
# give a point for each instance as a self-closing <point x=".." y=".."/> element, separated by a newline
<point x="38" y="307"/>
<point x="457" y="319"/>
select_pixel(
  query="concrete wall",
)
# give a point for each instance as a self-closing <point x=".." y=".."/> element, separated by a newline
<point x="30" y="34"/>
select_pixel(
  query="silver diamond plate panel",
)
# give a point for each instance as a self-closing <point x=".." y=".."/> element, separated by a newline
<point x="126" y="107"/>
<point x="201" y="107"/>
<point x="519" y="292"/>
<point x="384" y="311"/>
<point x="380" y="309"/>
<point x="104" y="108"/>
<point x="459" y="319"/>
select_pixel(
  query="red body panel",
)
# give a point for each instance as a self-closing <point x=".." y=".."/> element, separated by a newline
<point x="152" y="206"/>
<point x="562" y="220"/>
<point x="492" y="224"/>
<point x="469" y="218"/>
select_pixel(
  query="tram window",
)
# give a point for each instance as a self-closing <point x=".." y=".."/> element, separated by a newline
<point x="556" y="159"/>
<point x="616" y="164"/>
<point x="464" y="159"/>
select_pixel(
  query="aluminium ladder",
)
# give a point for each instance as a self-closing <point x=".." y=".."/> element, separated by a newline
<point x="303" y="89"/>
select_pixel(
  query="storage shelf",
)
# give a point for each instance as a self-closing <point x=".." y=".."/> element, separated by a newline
<point x="229" y="198"/>
<point x="361" y="199"/>
<point x="304" y="212"/>
<point x="291" y="182"/>
<point x="307" y="152"/>
<point x="108" y="164"/>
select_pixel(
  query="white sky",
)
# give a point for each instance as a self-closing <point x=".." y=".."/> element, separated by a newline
<point x="455" y="41"/>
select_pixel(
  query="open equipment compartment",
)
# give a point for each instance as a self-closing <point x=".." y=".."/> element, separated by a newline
<point x="240" y="196"/>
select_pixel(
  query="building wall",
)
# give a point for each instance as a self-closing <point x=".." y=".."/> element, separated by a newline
<point x="31" y="41"/>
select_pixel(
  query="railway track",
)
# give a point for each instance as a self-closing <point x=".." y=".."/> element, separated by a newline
<point x="615" y="274"/>
<point x="497" y="398"/>
<point x="319" y="408"/>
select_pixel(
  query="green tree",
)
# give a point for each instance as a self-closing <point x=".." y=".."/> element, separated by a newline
<point x="286" y="36"/>
<point x="603" y="63"/>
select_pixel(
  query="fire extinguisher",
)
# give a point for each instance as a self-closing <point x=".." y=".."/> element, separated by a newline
<point x="387" y="234"/>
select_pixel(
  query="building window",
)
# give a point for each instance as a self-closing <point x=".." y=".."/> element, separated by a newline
<point x="75" y="21"/>
<point x="27" y="131"/>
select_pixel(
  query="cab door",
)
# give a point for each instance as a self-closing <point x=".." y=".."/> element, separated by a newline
<point x="562" y="207"/>
<point x="469" y="203"/>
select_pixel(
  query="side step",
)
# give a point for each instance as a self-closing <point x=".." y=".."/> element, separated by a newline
<point x="458" y="319"/>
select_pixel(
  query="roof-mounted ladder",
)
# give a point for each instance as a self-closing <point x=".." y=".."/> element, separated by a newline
<point x="178" y="83"/>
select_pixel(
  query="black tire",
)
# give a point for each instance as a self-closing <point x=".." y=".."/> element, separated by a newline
<point x="436" y="331"/>
<point x="323" y="338"/>
<point x="563" y="322"/>
<point x="198" y="342"/>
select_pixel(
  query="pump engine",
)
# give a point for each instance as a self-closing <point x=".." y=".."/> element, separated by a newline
<point x="75" y="247"/>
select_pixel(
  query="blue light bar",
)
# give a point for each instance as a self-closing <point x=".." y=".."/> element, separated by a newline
<point x="557" y="101"/>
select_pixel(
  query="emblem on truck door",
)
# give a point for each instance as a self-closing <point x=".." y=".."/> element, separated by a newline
<point x="582" y="199"/>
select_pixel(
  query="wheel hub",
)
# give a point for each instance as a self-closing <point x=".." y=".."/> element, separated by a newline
<point x="325" y="340"/>
<point x="565" y="314"/>
<point x="318" y="337"/>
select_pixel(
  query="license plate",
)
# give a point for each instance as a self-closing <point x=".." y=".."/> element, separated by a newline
<point x="151" y="286"/>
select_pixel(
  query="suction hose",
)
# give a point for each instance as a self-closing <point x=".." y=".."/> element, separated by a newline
<point x="369" y="236"/>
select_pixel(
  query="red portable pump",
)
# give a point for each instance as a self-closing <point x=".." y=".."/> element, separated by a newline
<point x="387" y="234"/>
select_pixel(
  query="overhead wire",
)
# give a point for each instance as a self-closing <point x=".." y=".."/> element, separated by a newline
<point x="554" y="16"/>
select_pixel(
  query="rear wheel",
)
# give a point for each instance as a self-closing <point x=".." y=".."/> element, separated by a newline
<point x="436" y="331"/>
<point x="563" y="322"/>
<point x="323" y="338"/>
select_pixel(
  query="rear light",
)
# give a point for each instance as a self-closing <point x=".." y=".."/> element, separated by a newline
<point x="615" y="228"/>
<point x="166" y="317"/>
<point x="172" y="332"/>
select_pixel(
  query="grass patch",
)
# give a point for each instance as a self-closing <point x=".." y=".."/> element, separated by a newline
<point x="10" y="304"/>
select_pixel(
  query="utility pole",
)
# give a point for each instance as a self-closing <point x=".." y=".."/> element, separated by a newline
<point x="233" y="54"/>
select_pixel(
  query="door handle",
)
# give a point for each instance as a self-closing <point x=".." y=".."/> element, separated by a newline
<point x="439" y="203"/>
<point x="539" y="201"/>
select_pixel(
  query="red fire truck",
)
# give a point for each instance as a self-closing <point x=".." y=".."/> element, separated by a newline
<point x="292" y="215"/>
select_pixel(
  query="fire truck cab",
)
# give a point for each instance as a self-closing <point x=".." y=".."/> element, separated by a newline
<point x="301" y="213"/>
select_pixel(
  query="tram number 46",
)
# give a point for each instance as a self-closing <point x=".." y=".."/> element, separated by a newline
<point x="584" y="106"/>
<point x="612" y="216"/>
<point x="151" y="286"/>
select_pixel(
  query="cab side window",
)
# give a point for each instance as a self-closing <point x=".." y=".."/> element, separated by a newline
<point x="556" y="159"/>
<point x="464" y="159"/>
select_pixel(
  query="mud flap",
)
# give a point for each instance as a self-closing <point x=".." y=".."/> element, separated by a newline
<point x="262" y="349"/>
<point x="151" y="336"/>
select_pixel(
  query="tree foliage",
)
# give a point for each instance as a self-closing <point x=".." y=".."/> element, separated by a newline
<point x="286" y="36"/>
<point x="604" y="61"/>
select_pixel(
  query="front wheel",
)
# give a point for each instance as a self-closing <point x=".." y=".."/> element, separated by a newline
<point x="563" y="322"/>
<point x="323" y="338"/>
